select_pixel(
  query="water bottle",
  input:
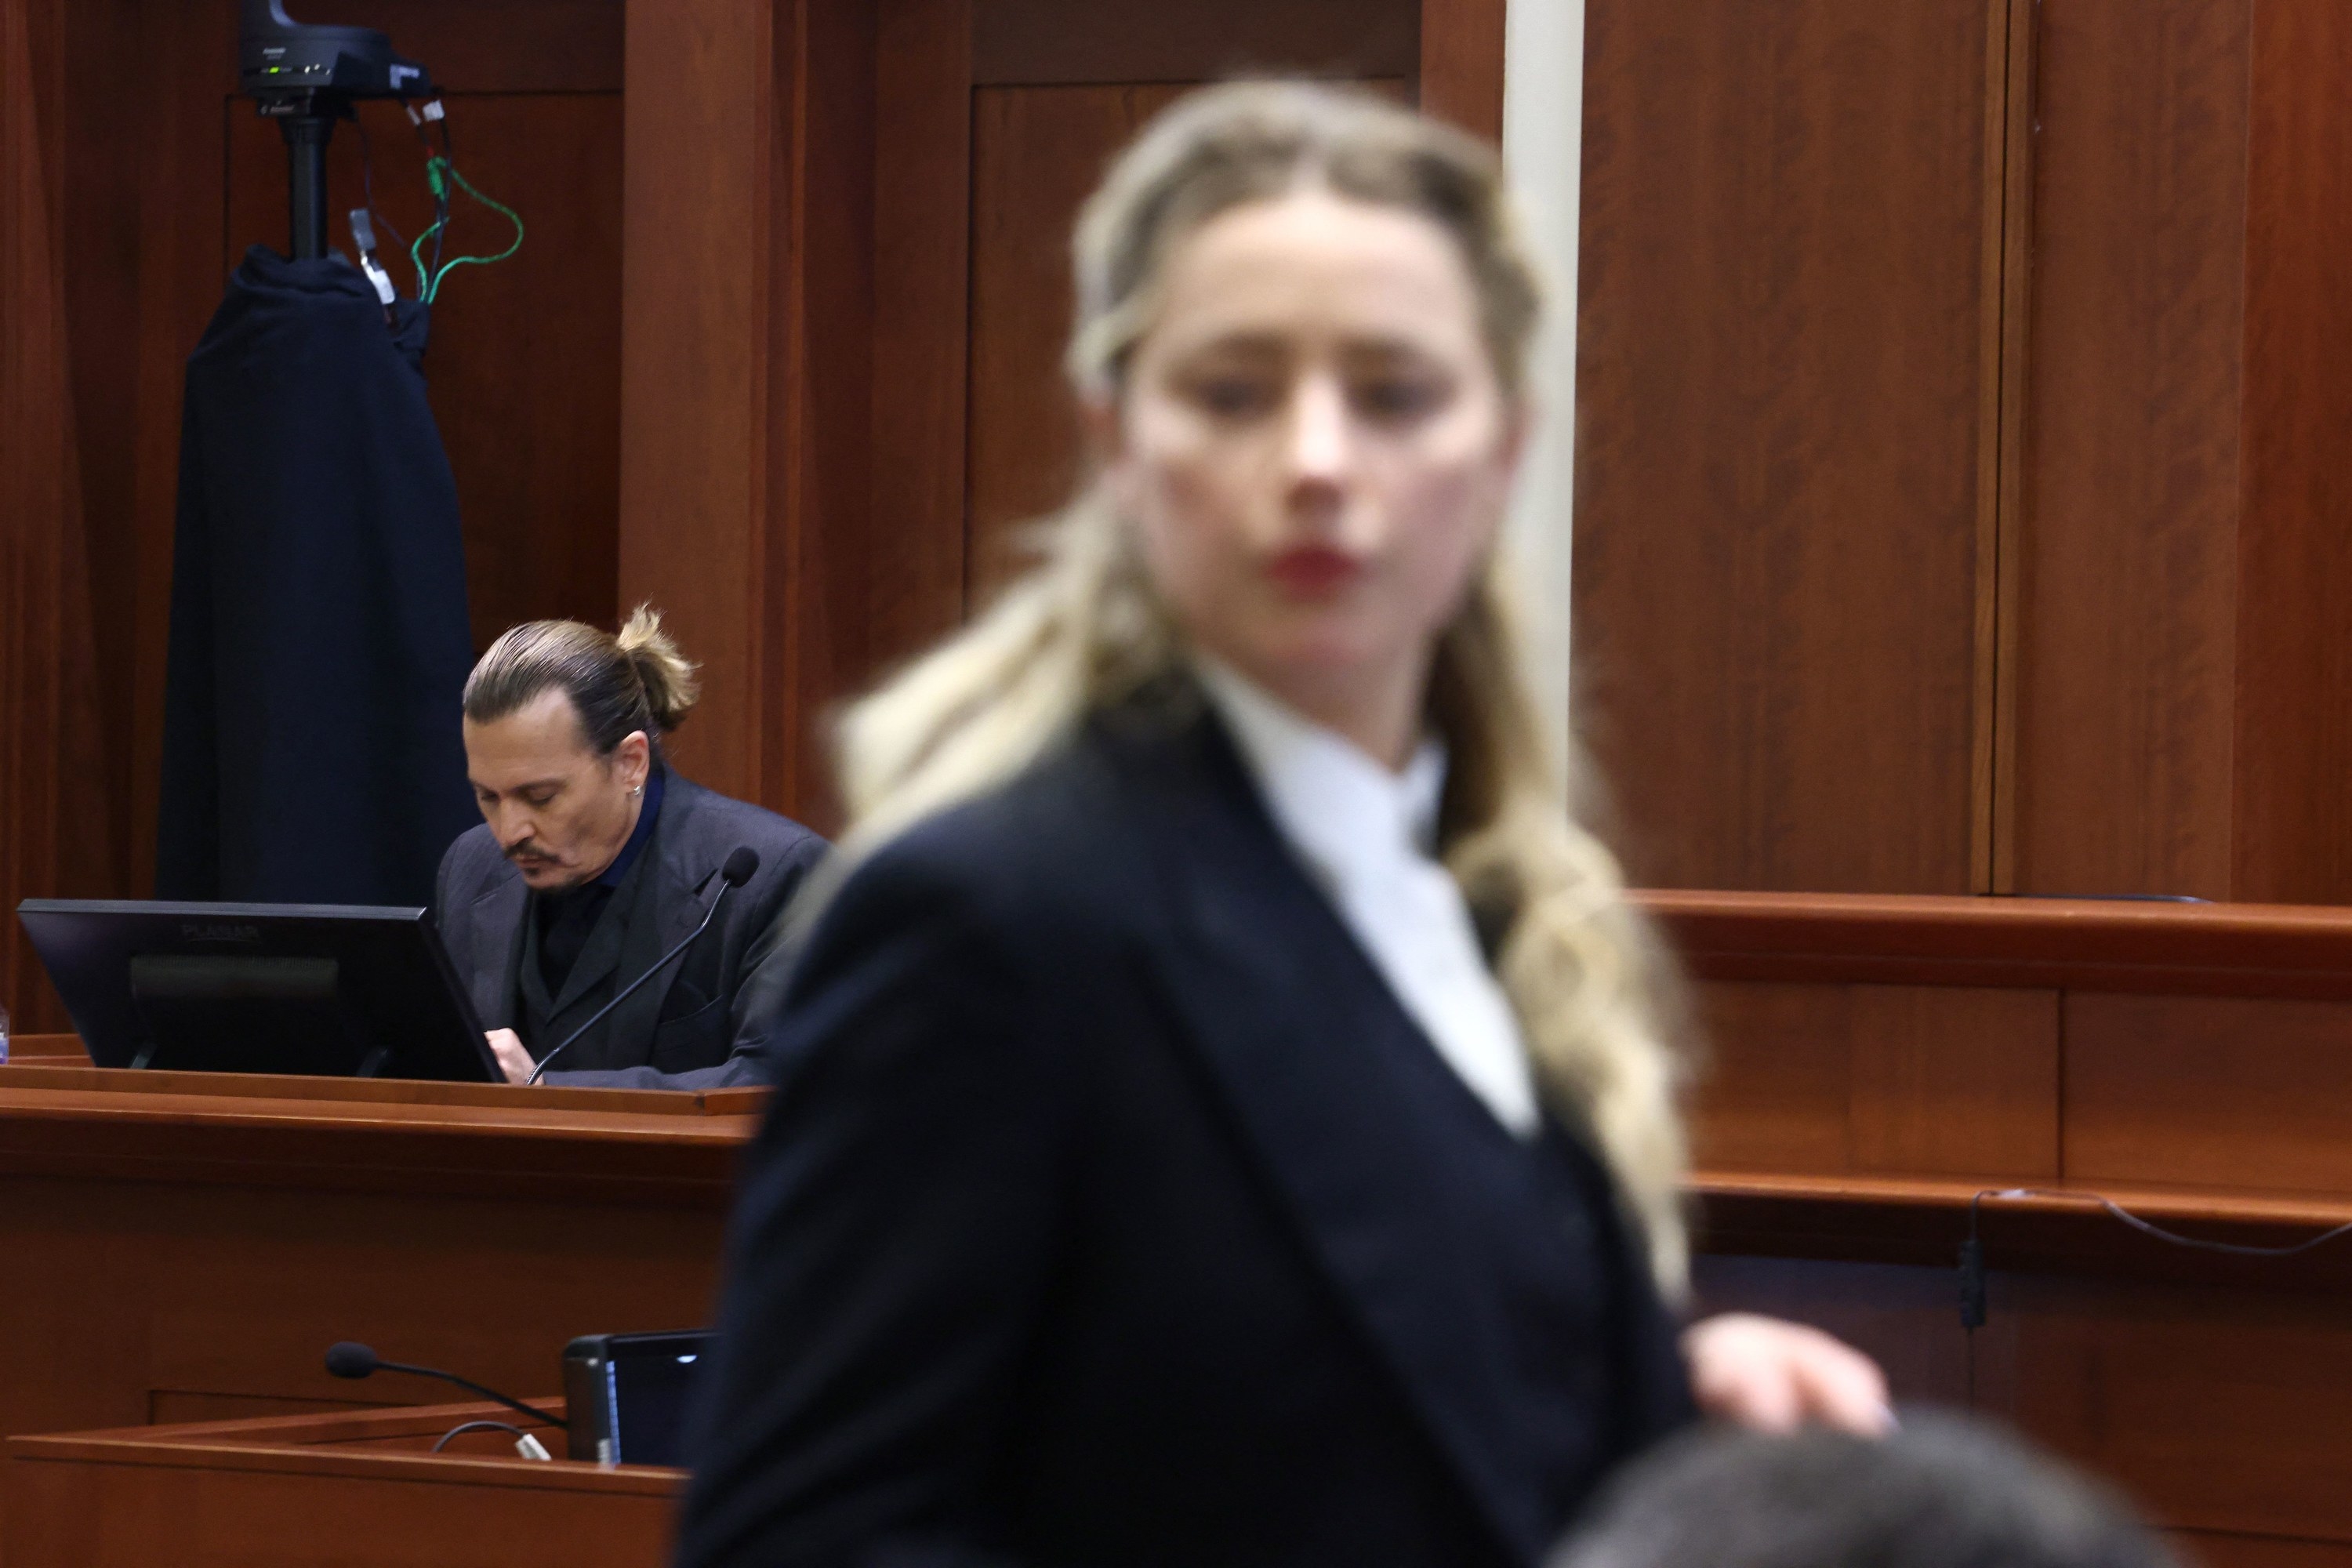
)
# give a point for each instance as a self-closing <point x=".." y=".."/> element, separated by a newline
<point x="3" y="1035"/>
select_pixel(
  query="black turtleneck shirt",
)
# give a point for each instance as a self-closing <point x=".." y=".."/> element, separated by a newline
<point x="566" y="917"/>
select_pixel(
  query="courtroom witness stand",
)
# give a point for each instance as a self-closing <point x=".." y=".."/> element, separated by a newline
<point x="595" y="858"/>
<point x="1159" y="1173"/>
<point x="1944" y="1492"/>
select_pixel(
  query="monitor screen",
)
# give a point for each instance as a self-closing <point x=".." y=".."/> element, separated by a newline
<point x="627" y="1396"/>
<point x="311" y="989"/>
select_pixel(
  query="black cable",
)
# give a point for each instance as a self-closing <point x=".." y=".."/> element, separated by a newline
<point x="2116" y="1210"/>
<point x="1973" y="1296"/>
<point x="367" y="181"/>
<point x="1973" y="1264"/>
<point x="464" y="1426"/>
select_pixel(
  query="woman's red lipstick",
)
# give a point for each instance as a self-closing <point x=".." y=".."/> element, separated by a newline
<point x="1314" y="570"/>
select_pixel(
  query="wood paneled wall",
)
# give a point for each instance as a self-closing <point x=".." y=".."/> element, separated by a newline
<point x="46" y="653"/>
<point x="2183" y="662"/>
<point x="1037" y="154"/>
<point x="1053" y="97"/>
<point x="1779" y="474"/>
<point x="136" y="196"/>
<point x="1958" y="503"/>
<point x="524" y="362"/>
<point x="110" y="240"/>
<point x="147" y="196"/>
<point x="2211" y="1406"/>
<point x="913" y="164"/>
<point x="1960" y="498"/>
<point x="777" y="355"/>
<point x="1884" y="1071"/>
<point x="2131" y="394"/>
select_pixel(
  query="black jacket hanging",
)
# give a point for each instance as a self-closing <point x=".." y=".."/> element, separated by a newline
<point x="311" y="750"/>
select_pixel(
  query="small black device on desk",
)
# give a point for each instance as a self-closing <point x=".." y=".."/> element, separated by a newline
<point x="625" y="1395"/>
<point x="319" y="990"/>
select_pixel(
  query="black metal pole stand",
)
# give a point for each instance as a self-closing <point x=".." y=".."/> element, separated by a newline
<point x="306" y="132"/>
<point x="305" y="117"/>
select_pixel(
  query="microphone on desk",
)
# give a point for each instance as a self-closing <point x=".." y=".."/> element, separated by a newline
<point x="350" y="1359"/>
<point x="741" y="865"/>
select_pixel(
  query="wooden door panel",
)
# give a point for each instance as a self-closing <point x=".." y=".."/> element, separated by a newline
<point x="2127" y="613"/>
<point x="1781" y="342"/>
<point x="2292" y="736"/>
<point x="1037" y="152"/>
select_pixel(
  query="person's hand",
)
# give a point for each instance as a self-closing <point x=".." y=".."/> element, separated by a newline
<point x="507" y="1046"/>
<point x="1777" y="1376"/>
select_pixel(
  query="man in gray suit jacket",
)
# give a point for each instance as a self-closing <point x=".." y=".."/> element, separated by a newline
<point x="594" y="859"/>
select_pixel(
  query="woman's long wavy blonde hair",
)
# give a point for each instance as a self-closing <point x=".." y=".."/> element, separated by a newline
<point x="1084" y="627"/>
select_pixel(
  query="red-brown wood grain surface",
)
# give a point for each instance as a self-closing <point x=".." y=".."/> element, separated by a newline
<point x="1778" y="433"/>
<point x="1036" y="43"/>
<point x="1462" y="64"/>
<point x="1037" y="153"/>
<point x="2292" y="737"/>
<point x="2127" y="609"/>
<point x="700" y="241"/>
<point x="180" y="1245"/>
<point x="358" y="1489"/>
<point x="984" y="124"/>
<point x="1883" y="1072"/>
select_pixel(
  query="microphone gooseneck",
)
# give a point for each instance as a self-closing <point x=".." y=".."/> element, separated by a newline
<point x="350" y="1359"/>
<point x="742" y="863"/>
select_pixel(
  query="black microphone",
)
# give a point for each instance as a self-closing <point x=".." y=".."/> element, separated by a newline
<point x="349" y="1359"/>
<point x="742" y="863"/>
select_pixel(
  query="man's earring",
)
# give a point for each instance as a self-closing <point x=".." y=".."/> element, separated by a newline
<point x="635" y="790"/>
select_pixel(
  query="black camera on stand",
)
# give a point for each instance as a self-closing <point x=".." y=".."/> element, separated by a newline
<point x="306" y="77"/>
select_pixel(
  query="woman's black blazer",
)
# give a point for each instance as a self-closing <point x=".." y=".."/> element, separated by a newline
<point x="1112" y="1210"/>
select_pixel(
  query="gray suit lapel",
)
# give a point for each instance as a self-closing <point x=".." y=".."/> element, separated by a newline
<point x="495" y="946"/>
<point x="665" y="911"/>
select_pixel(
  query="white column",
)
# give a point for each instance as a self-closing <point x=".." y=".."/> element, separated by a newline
<point x="1543" y="142"/>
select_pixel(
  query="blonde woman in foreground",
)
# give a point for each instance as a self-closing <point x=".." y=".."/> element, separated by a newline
<point x="1224" y="1119"/>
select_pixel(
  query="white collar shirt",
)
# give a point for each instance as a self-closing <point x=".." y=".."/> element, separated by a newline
<point x="1366" y="835"/>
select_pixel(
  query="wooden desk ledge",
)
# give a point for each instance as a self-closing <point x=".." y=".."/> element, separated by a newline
<point x="2226" y="1216"/>
<point x="64" y="1050"/>
<point x="368" y="1135"/>
<point x="51" y="1088"/>
<point x="2061" y="1227"/>
<point x="2264" y="950"/>
<point x="373" y="1445"/>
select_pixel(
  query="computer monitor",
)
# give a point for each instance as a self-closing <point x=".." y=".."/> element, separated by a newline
<point x="322" y="990"/>
<point x="625" y="1395"/>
